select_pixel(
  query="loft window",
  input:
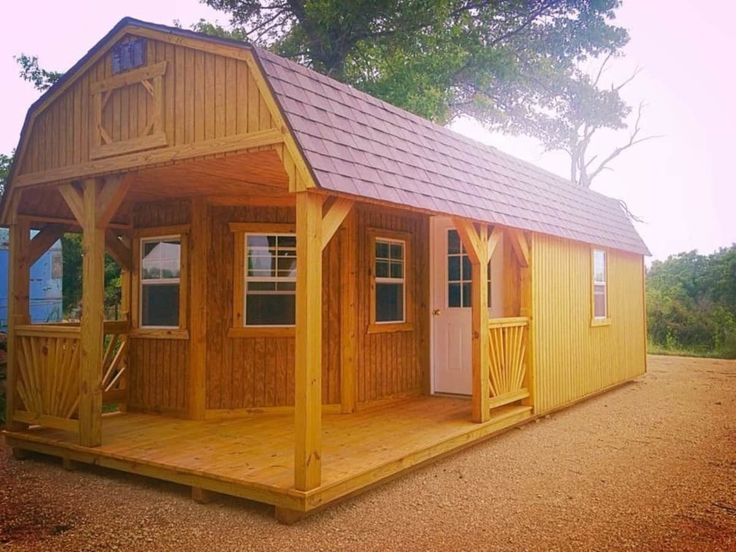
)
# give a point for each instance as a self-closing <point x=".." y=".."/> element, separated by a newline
<point x="129" y="53"/>
<point x="270" y="279"/>
<point x="460" y="273"/>
<point x="390" y="281"/>
<point x="160" y="281"/>
<point x="600" y="284"/>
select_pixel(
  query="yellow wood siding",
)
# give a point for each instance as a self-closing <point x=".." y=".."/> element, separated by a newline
<point x="574" y="359"/>
<point x="204" y="97"/>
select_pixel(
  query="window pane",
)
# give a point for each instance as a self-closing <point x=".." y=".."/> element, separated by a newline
<point x="453" y="242"/>
<point x="599" y="265"/>
<point x="389" y="303"/>
<point x="397" y="251"/>
<point x="160" y="305"/>
<point x="160" y="259"/>
<point x="270" y="310"/>
<point x="599" y="304"/>
<point x="468" y="295"/>
<point x="453" y="268"/>
<point x="453" y="295"/>
<point x="382" y="249"/>
<point x="467" y="268"/>
<point x="397" y="270"/>
<point x="288" y="242"/>
<point x="381" y="269"/>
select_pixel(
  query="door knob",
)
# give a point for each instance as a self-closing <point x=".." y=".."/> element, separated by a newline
<point x="436" y="312"/>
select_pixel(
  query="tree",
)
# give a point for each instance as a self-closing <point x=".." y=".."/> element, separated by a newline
<point x="30" y="71"/>
<point x="5" y="163"/>
<point x="512" y="65"/>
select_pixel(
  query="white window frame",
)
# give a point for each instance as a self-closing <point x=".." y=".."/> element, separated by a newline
<point x="389" y="279"/>
<point x="158" y="281"/>
<point x="274" y="279"/>
<point x="599" y="283"/>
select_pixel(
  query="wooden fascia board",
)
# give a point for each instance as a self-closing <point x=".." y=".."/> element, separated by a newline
<point x="274" y="108"/>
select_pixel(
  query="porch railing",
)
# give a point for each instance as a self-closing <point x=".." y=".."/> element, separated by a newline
<point x="508" y="348"/>
<point x="48" y="372"/>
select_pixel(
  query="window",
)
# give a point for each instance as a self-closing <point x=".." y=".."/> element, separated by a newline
<point x="270" y="279"/>
<point x="390" y="284"/>
<point x="600" y="277"/>
<point x="160" y="279"/>
<point x="460" y="273"/>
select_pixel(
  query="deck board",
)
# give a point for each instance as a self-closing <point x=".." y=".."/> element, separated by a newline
<point x="255" y="454"/>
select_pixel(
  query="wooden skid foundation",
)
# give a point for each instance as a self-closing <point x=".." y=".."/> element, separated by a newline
<point x="253" y="457"/>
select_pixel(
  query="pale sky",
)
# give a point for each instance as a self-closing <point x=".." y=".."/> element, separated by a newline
<point x="681" y="185"/>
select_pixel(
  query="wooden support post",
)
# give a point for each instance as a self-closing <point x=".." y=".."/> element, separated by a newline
<point x="348" y="314"/>
<point x="198" y="243"/>
<point x="201" y="496"/>
<point x="18" y="311"/>
<point x="19" y="453"/>
<point x="41" y="242"/>
<point x="521" y="245"/>
<point x="308" y="346"/>
<point x="285" y="516"/>
<point x="476" y="244"/>
<point x="93" y="315"/>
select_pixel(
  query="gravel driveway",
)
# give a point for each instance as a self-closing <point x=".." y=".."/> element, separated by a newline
<point x="651" y="465"/>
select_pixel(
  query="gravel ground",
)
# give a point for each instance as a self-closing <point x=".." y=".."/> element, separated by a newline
<point x="649" y="466"/>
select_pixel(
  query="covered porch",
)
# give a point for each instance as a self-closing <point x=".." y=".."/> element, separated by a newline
<point x="253" y="456"/>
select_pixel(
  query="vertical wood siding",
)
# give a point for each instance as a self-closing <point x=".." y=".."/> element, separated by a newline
<point x="572" y="358"/>
<point x="159" y="368"/>
<point x="395" y="362"/>
<point x="205" y="97"/>
<point x="252" y="372"/>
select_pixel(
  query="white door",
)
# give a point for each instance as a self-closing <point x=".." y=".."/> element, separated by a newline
<point x="451" y="284"/>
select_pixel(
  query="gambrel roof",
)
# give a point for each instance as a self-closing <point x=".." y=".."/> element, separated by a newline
<point x="355" y="144"/>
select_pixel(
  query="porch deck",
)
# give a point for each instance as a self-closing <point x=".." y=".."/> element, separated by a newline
<point x="253" y="457"/>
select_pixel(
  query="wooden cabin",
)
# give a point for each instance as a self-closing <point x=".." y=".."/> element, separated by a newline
<point x="319" y="290"/>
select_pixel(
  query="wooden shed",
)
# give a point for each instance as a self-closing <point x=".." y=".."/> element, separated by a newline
<point x="320" y="290"/>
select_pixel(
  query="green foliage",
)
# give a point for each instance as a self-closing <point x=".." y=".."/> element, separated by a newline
<point x="512" y="65"/>
<point x="71" y="247"/>
<point x="5" y="162"/>
<point x="41" y="79"/>
<point x="691" y="302"/>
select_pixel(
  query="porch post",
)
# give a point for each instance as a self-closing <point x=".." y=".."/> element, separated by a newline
<point x="91" y="327"/>
<point x="198" y="244"/>
<point x="475" y="241"/>
<point x="308" y="346"/>
<point x="18" y="312"/>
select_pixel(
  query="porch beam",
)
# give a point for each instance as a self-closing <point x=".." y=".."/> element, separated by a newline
<point x="118" y="250"/>
<point x="476" y="242"/>
<point x="74" y="201"/>
<point x="520" y="246"/>
<point x="41" y="242"/>
<point x="110" y="197"/>
<point x="91" y="326"/>
<point x="308" y="345"/>
<point x="334" y="217"/>
<point x="19" y="275"/>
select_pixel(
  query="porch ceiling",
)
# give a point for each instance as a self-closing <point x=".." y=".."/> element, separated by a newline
<point x="252" y="173"/>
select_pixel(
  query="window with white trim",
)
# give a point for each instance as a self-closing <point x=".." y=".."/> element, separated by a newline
<point x="390" y="280"/>
<point x="160" y="281"/>
<point x="600" y="284"/>
<point x="270" y="280"/>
